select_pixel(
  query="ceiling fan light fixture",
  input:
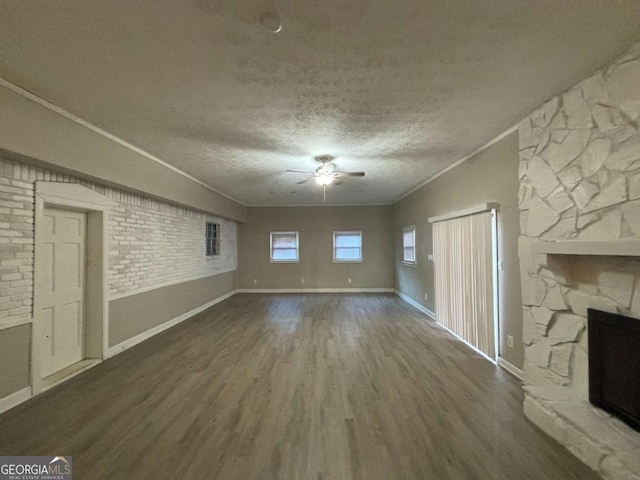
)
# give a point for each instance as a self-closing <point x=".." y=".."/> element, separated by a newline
<point x="324" y="180"/>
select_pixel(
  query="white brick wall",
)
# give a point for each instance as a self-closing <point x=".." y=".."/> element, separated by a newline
<point x="151" y="243"/>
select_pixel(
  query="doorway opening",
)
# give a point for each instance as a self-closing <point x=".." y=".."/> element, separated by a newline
<point x="70" y="314"/>
<point x="466" y="286"/>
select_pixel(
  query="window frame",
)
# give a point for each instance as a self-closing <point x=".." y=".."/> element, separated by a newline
<point x="409" y="263"/>
<point x="347" y="260"/>
<point x="277" y="260"/>
<point x="214" y="240"/>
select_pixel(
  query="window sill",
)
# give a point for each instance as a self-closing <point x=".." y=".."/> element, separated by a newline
<point x="284" y="261"/>
<point x="347" y="261"/>
<point x="410" y="264"/>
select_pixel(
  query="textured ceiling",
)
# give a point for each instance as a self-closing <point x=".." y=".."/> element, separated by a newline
<point x="399" y="89"/>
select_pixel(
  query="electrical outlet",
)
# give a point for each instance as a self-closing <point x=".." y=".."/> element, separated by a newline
<point x="255" y="280"/>
<point x="430" y="257"/>
<point x="348" y="280"/>
<point x="302" y="280"/>
<point x="510" y="341"/>
<point x="426" y="297"/>
<point x="500" y="266"/>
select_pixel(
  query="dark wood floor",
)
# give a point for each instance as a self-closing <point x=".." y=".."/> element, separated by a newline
<point x="292" y="387"/>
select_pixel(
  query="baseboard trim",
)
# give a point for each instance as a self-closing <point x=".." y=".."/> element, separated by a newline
<point x="15" y="399"/>
<point x="432" y="316"/>
<point x="127" y="344"/>
<point x="475" y="349"/>
<point x="511" y="368"/>
<point x="315" y="290"/>
<point x="416" y="305"/>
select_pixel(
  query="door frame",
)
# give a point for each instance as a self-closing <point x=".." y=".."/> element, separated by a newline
<point x="73" y="196"/>
<point x="493" y="208"/>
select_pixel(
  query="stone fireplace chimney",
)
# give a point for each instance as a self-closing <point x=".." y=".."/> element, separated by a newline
<point x="580" y="248"/>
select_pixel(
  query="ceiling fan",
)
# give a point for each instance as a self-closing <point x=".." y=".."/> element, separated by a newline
<point x="326" y="172"/>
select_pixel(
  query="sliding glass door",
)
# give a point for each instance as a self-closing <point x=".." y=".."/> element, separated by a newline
<point x="463" y="252"/>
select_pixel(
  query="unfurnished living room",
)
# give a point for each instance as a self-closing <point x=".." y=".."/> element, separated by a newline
<point x="301" y="240"/>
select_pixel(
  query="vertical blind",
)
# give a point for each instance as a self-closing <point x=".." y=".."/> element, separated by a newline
<point x="347" y="246"/>
<point x="463" y="257"/>
<point x="284" y="246"/>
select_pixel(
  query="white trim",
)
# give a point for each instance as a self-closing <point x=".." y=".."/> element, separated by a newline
<point x="492" y="360"/>
<point x="15" y="399"/>
<point x="121" y="347"/>
<point x="495" y="284"/>
<point x="416" y="305"/>
<point x="511" y="368"/>
<point x="459" y="162"/>
<point x="347" y="260"/>
<point x="284" y="232"/>
<point x="410" y="263"/>
<point x="70" y="116"/>
<point x="303" y="205"/>
<point x="622" y="247"/>
<point x="316" y="290"/>
<point x="432" y="315"/>
<point x="55" y="193"/>
<point x="216" y="240"/>
<point x="119" y="296"/>
<point x="8" y="323"/>
<point x="74" y="196"/>
<point x="68" y="373"/>
<point x="482" y="207"/>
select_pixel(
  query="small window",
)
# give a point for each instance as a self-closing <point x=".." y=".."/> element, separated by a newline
<point x="347" y="246"/>
<point x="213" y="239"/>
<point x="409" y="245"/>
<point x="284" y="247"/>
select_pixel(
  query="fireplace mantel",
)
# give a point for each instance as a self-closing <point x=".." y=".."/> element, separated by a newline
<point x="560" y="408"/>
<point x="625" y="248"/>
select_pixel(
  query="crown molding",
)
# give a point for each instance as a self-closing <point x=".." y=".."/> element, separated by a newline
<point x="459" y="162"/>
<point x="268" y="205"/>
<point x="74" y="118"/>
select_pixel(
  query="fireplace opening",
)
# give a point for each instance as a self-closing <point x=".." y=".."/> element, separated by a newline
<point x="614" y="365"/>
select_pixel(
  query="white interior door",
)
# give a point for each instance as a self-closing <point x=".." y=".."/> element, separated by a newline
<point x="61" y="286"/>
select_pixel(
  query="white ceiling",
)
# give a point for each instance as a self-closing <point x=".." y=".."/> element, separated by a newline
<point x="399" y="89"/>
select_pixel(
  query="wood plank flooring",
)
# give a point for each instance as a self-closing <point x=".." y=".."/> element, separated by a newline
<point x="304" y="387"/>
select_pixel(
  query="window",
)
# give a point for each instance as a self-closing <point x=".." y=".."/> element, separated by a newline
<point x="347" y="246"/>
<point x="213" y="238"/>
<point x="409" y="245"/>
<point x="284" y="247"/>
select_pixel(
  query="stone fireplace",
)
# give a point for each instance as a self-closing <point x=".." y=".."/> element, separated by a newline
<point x="580" y="248"/>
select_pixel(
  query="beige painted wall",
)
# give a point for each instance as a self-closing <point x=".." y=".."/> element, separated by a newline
<point x="315" y="226"/>
<point x="15" y="351"/>
<point x="135" y="314"/>
<point x="490" y="176"/>
<point x="36" y="133"/>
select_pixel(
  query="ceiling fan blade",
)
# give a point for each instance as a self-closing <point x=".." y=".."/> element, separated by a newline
<point x="348" y="174"/>
<point x="299" y="171"/>
<point x="304" y="181"/>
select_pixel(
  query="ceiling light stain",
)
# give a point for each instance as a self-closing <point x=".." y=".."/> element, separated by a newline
<point x="271" y="22"/>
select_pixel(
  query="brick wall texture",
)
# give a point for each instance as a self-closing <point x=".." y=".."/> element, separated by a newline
<point x="151" y="243"/>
